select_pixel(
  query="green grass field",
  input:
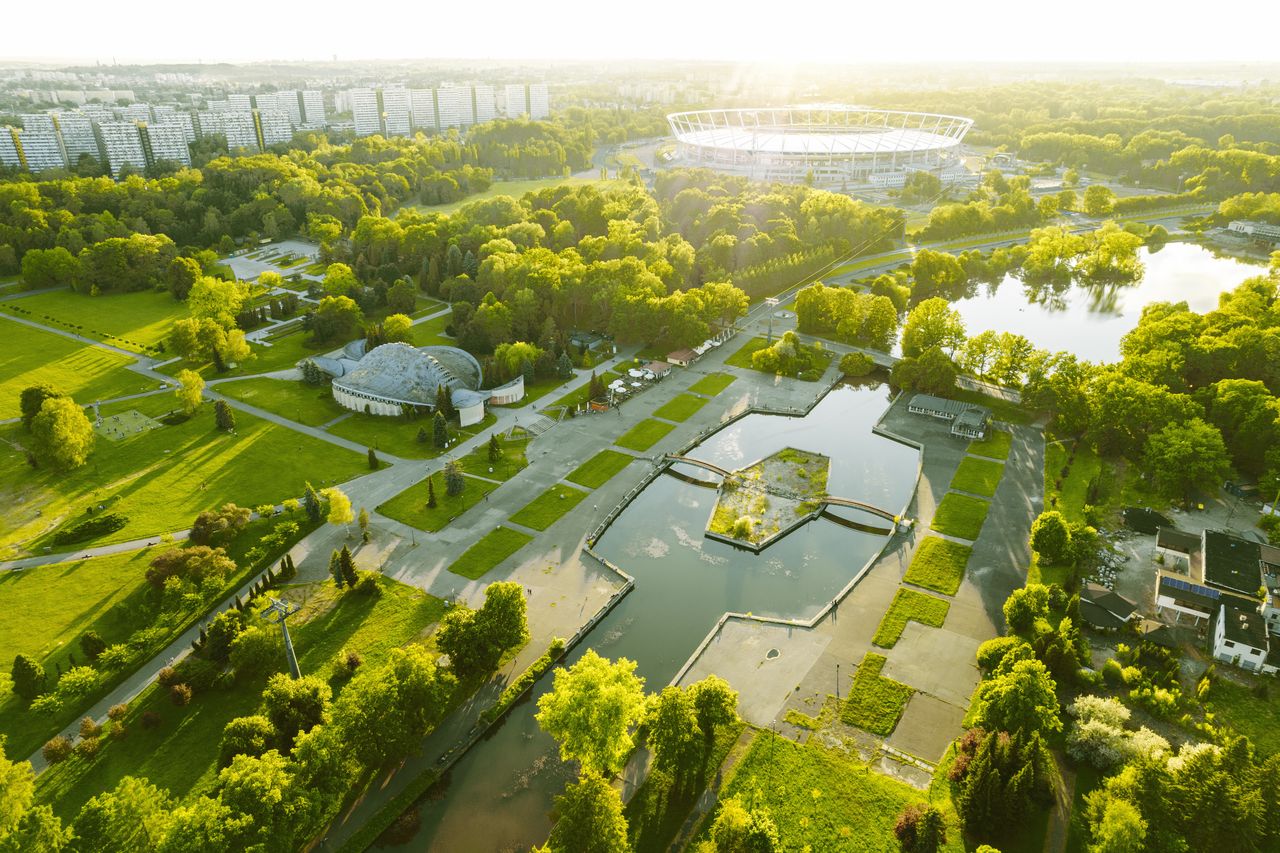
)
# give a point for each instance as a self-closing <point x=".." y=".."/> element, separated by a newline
<point x="410" y="506"/>
<point x="399" y="437"/>
<point x="875" y="703"/>
<point x="742" y="358"/>
<point x="84" y="371"/>
<point x="980" y="476"/>
<point x="681" y="408"/>
<point x="431" y="332"/>
<point x="129" y="320"/>
<point x="1068" y="496"/>
<point x="496" y="546"/>
<point x="297" y="401"/>
<point x="547" y="508"/>
<point x="162" y="478"/>
<point x="599" y="469"/>
<point x="1257" y="717"/>
<point x="996" y="445"/>
<point x="909" y="606"/>
<point x="283" y="354"/>
<point x="644" y="435"/>
<point x="513" y="460"/>
<point x="939" y="565"/>
<point x="712" y="384"/>
<point x="825" y="799"/>
<point x="960" y="515"/>
<point x="181" y="753"/>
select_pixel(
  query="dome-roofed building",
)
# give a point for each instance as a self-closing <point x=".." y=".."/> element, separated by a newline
<point x="392" y="376"/>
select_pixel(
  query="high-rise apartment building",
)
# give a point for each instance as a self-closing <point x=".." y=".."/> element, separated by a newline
<point x="517" y="100"/>
<point x="78" y="137"/>
<point x="39" y="122"/>
<point x="41" y="150"/>
<point x="395" y="112"/>
<point x="240" y="129"/>
<point x="136" y="112"/>
<point x="313" y="107"/>
<point x="166" y="141"/>
<point x="454" y="106"/>
<point x="485" y="103"/>
<point x="287" y="102"/>
<point x="364" y="109"/>
<point x="539" y="101"/>
<point x="183" y="120"/>
<point x="239" y="102"/>
<point x="422" y="103"/>
<point x="122" y="144"/>
<point x="275" y="125"/>
<point x="9" y="149"/>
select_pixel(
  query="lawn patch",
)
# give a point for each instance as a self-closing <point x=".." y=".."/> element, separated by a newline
<point x="307" y="404"/>
<point x="495" y="547"/>
<point x="939" y="565"/>
<point x="644" y="435"/>
<point x="547" y="508"/>
<point x="511" y="461"/>
<point x="410" y="506"/>
<point x="84" y="371"/>
<point x="875" y="703"/>
<point x="431" y="332"/>
<point x="980" y="476"/>
<point x="995" y="446"/>
<point x="712" y="384"/>
<point x="1257" y="717"/>
<point x="909" y="606"/>
<point x="599" y="469"/>
<point x="135" y="321"/>
<point x="681" y="408"/>
<point x="812" y="361"/>
<point x="399" y="437"/>
<point x="960" y="515"/>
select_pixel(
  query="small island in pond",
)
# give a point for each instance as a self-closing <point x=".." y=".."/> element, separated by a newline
<point x="761" y="502"/>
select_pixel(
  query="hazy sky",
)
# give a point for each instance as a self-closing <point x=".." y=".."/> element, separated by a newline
<point x="810" y="30"/>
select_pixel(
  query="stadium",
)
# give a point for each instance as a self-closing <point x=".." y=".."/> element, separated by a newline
<point x="834" y="147"/>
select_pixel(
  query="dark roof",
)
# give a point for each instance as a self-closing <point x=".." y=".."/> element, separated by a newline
<point x="1270" y="556"/>
<point x="1177" y="540"/>
<point x="1231" y="562"/>
<point x="1243" y="626"/>
<point x="1112" y="602"/>
<point x="1190" y="593"/>
<point x="1158" y="633"/>
<point x="1099" y="617"/>
<point x="942" y="404"/>
<point x="1145" y="520"/>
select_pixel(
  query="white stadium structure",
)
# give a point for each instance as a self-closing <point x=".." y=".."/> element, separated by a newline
<point x="833" y="146"/>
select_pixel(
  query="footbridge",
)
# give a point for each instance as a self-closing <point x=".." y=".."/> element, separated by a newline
<point x="832" y="500"/>
<point x="700" y="463"/>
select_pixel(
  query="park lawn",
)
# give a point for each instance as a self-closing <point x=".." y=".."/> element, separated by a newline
<point x="536" y="390"/>
<point x="1002" y="409"/>
<point x="825" y="799"/>
<point x="658" y="808"/>
<point x="939" y="565"/>
<point x="399" y="437"/>
<point x="742" y="358"/>
<point x="909" y="606"/>
<point x="410" y="506"/>
<point x="960" y="516"/>
<point x="681" y="408"/>
<point x="1070" y="494"/>
<point x="307" y="404"/>
<point x="1046" y="574"/>
<point x="578" y="395"/>
<point x="980" y="476"/>
<point x="515" y="189"/>
<point x="513" y="460"/>
<point x="82" y="370"/>
<point x="875" y="703"/>
<point x="547" y="508"/>
<point x="430" y="333"/>
<point x="496" y="546"/>
<point x="162" y="478"/>
<point x="995" y="446"/>
<point x="712" y="384"/>
<point x="1256" y="717"/>
<point x="181" y="754"/>
<point x="284" y="353"/>
<point x="133" y="321"/>
<point x="644" y="435"/>
<point x="599" y="469"/>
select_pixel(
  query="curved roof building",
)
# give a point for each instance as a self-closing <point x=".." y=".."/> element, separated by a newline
<point x="832" y="145"/>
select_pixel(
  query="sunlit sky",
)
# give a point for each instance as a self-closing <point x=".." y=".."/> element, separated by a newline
<point x="843" y="31"/>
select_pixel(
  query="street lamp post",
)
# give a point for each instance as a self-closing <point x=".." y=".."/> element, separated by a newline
<point x="771" y="302"/>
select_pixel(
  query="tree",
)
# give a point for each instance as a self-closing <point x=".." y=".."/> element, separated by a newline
<point x="590" y="710"/>
<point x="363" y="520"/>
<point x="54" y="267"/>
<point x="937" y="274"/>
<point x="57" y="750"/>
<point x="564" y="367"/>
<point x="235" y="349"/>
<point x="123" y="818"/>
<point x="1183" y="457"/>
<point x="221" y="633"/>
<point x="715" y="703"/>
<point x="373" y="460"/>
<point x="313" y="505"/>
<point x="1051" y="538"/>
<point x="1098" y="200"/>
<point x="339" y="506"/>
<point x="856" y="364"/>
<point x="589" y="819"/>
<point x="33" y="397"/>
<point x="454" y="482"/>
<point x="335" y="570"/>
<point x="190" y="390"/>
<point x="673" y="732"/>
<point x="504" y="617"/>
<point x="339" y="280"/>
<point x="337" y="318"/>
<point x="1024" y="606"/>
<point x="39" y="829"/>
<point x="28" y="677"/>
<point x="920" y="829"/>
<point x="495" y="449"/>
<point x="217" y="299"/>
<point x="431" y="492"/>
<point x="347" y="566"/>
<point x="1021" y="701"/>
<point x="224" y="416"/>
<point x="444" y="402"/>
<point x="738" y="829"/>
<point x="261" y="789"/>
<point x="1121" y="829"/>
<point x="397" y="328"/>
<point x="441" y="430"/>
<point x="61" y="434"/>
<point x="294" y="706"/>
<point x="256" y="649"/>
<point x="932" y="323"/>
<point x="459" y="638"/>
<point x="252" y="735"/>
<point x="402" y="298"/>
<point x="17" y="791"/>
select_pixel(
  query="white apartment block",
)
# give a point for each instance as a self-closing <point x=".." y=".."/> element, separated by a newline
<point x="217" y="106"/>
<point x="454" y="106"/>
<point x="517" y="100"/>
<point x="38" y="122"/>
<point x="276" y="126"/>
<point x="239" y="102"/>
<point x="41" y="150"/>
<point x="182" y="120"/>
<point x="162" y="112"/>
<point x="395" y="111"/>
<point x="423" y="104"/>
<point x="136" y="112"/>
<point x="78" y="137"/>
<point x="9" y="149"/>
<point x="539" y="101"/>
<point x="313" y="106"/>
<point x="364" y="109"/>
<point x="287" y="102"/>
<point x="167" y="141"/>
<point x="485" y="103"/>
<point x="240" y="129"/>
<point x="122" y="144"/>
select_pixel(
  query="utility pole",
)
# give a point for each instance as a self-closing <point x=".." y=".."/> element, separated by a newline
<point x="278" y="612"/>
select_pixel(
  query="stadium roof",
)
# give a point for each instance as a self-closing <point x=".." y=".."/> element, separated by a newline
<point x="402" y="373"/>
<point x="829" y="130"/>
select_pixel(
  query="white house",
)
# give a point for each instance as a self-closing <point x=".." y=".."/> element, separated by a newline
<point x="1240" y="638"/>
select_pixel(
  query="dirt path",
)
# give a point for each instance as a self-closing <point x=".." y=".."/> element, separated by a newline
<point x="1055" y="838"/>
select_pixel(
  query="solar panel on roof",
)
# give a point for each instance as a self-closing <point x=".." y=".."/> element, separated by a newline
<point x="1207" y="592"/>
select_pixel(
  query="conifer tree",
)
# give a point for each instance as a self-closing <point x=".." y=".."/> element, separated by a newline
<point x="495" y="449"/>
<point x="347" y="566"/>
<point x="431" y="493"/>
<point x="335" y="569"/>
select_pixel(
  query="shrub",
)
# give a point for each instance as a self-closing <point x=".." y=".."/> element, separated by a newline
<point x="367" y="583"/>
<point x="118" y="712"/>
<point x="56" y="750"/>
<point x="88" y="748"/>
<point x="115" y="657"/>
<point x="402" y="829"/>
<point x="89" y="728"/>
<point x="180" y="694"/>
<point x="92" y="644"/>
<point x="168" y="676"/>
<point x="91" y="528"/>
<point x="150" y="719"/>
<point x="1112" y="672"/>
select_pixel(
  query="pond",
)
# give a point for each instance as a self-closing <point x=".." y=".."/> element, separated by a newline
<point x="1090" y="320"/>
<point x="501" y="792"/>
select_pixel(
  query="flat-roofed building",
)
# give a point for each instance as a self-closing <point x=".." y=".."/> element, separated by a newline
<point x="136" y="112"/>
<point x="41" y="150"/>
<point x="182" y="120"/>
<point x="539" y="101"/>
<point x="517" y="100"/>
<point x="122" y="145"/>
<point x="454" y="106"/>
<point x="240" y="129"/>
<point x="239" y="102"/>
<point x="313" y="107"/>
<point x="364" y="110"/>
<point x="287" y="102"/>
<point x="166" y="141"/>
<point x="78" y="137"/>
<point x="485" y="103"/>
<point x="38" y="122"/>
<point x="395" y="112"/>
<point x="422" y="103"/>
<point x="276" y="127"/>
